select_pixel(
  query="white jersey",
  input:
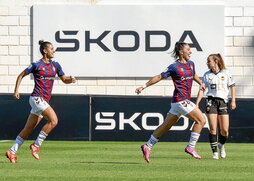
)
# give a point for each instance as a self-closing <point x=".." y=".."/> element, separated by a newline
<point x="217" y="85"/>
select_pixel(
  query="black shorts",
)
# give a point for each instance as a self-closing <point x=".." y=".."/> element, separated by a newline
<point x="216" y="105"/>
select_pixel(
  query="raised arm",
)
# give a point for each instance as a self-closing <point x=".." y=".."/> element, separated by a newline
<point x="152" y="81"/>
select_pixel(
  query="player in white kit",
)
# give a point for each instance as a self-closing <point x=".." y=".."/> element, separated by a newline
<point x="218" y="83"/>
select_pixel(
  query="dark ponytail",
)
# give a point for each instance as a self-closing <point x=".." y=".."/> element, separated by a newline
<point x="178" y="47"/>
<point x="43" y="44"/>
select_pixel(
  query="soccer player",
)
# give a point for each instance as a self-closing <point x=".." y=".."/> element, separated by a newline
<point x="44" y="72"/>
<point x="218" y="82"/>
<point x="183" y="73"/>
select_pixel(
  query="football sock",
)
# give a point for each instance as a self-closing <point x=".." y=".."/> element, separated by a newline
<point x="213" y="142"/>
<point x="223" y="139"/>
<point x="41" y="137"/>
<point x="18" y="142"/>
<point x="193" y="139"/>
<point x="152" y="141"/>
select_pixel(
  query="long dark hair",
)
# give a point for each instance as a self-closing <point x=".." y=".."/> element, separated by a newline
<point x="43" y="44"/>
<point x="178" y="47"/>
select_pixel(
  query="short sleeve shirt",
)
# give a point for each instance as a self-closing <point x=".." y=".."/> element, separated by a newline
<point x="218" y="84"/>
<point x="44" y="75"/>
<point x="182" y="76"/>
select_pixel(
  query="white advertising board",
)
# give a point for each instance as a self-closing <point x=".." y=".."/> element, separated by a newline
<point x="126" y="40"/>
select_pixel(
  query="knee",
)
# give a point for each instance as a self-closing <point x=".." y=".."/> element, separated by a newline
<point x="224" y="132"/>
<point x="54" y="122"/>
<point x="213" y="131"/>
<point x="201" y="120"/>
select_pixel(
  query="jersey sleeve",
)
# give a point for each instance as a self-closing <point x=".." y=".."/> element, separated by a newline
<point x="231" y="81"/>
<point x="194" y="69"/>
<point x="30" y="68"/>
<point x="167" y="72"/>
<point x="59" y="69"/>
<point x="204" y="80"/>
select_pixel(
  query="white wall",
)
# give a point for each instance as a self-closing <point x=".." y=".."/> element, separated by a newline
<point x="15" y="49"/>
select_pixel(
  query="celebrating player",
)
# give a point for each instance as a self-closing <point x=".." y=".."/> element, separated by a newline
<point x="218" y="81"/>
<point x="183" y="73"/>
<point x="44" y="72"/>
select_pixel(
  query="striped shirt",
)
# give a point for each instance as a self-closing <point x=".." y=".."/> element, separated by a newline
<point x="182" y="76"/>
<point x="44" y="75"/>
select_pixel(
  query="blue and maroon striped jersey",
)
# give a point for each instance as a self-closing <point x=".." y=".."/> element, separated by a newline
<point x="44" y="75"/>
<point x="182" y="76"/>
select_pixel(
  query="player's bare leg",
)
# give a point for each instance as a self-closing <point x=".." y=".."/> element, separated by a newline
<point x="199" y="119"/>
<point x="213" y="121"/>
<point x="170" y="120"/>
<point x="50" y="115"/>
<point x="224" y="127"/>
<point x="32" y="121"/>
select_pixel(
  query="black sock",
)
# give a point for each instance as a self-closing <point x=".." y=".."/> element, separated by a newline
<point x="213" y="142"/>
<point x="223" y="139"/>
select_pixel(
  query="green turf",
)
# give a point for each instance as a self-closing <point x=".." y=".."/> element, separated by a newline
<point x="121" y="161"/>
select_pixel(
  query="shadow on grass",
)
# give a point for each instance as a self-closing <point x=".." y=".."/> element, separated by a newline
<point x="119" y="163"/>
<point x="168" y="157"/>
<point x="187" y="157"/>
<point x="3" y="162"/>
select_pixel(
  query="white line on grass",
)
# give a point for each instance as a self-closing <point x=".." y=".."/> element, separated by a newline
<point x="2" y="141"/>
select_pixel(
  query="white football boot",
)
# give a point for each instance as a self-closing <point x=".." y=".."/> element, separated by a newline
<point x="222" y="151"/>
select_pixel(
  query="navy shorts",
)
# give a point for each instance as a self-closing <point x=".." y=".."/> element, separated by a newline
<point x="215" y="105"/>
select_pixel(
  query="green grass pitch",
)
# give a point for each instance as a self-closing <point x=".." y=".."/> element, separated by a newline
<point x="121" y="161"/>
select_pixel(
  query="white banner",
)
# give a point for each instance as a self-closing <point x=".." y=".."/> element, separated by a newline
<point x="127" y="40"/>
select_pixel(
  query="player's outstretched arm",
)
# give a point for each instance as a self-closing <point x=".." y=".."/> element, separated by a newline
<point x="18" y="81"/>
<point x="68" y="80"/>
<point x="152" y="81"/>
